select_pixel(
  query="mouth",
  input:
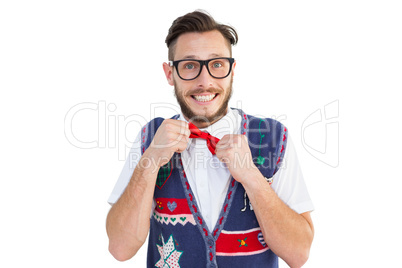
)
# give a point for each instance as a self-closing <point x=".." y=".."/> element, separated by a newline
<point x="204" y="98"/>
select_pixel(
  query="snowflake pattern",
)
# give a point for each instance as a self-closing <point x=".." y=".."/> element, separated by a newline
<point x="169" y="255"/>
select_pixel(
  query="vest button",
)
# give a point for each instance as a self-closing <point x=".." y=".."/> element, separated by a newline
<point x="211" y="242"/>
<point x="211" y="265"/>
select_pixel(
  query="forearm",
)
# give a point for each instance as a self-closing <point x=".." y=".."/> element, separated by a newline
<point x="128" y="220"/>
<point x="286" y="232"/>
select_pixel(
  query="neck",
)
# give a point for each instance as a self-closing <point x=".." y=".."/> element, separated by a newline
<point x="203" y="122"/>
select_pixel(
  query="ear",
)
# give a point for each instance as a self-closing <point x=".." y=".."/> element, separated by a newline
<point x="168" y="73"/>
<point x="233" y="68"/>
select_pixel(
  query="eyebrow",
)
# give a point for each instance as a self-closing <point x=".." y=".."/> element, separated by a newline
<point x="213" y="55"/>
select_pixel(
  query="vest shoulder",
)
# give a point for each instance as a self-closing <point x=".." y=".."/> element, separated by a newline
<point x="264" y="123"/>
<point x="148" y="131"/>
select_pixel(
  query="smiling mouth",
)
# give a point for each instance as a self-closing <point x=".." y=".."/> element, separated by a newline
<point x="204" y="98"/>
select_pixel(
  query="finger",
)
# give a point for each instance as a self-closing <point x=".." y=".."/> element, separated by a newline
<point x="223" y="144"/>
<point x="175" y="122"/>
<point x="181" y="146"/>
<point x="224" y="159"/>
<point x="221" y="151"/>
<point x="177" y="126"/>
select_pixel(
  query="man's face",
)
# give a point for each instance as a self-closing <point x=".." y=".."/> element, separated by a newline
<point x="203" y="100"/>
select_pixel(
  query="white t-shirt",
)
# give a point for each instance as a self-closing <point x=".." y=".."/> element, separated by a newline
<point x="209" y="178"/>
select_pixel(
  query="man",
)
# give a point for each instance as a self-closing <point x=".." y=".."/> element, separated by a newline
<point x="234" y="198"/>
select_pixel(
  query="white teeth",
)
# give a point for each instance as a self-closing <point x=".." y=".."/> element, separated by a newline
<point x="204" y="98"/>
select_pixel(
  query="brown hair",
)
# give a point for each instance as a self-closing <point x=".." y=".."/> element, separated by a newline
<point x="197" y="21"/>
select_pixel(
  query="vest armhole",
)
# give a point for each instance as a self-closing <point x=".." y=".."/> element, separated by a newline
<point x="148" y="131"/>
<point x="280" y="150"/>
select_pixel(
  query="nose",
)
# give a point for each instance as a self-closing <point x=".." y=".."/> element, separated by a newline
<point x="204" y="80"/>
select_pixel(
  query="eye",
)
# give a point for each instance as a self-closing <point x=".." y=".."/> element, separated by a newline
<point x="189" y="66"/>
<point x="217" y="65"/>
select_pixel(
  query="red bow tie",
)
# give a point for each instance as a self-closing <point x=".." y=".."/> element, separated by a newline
<point x="211" y="140"/>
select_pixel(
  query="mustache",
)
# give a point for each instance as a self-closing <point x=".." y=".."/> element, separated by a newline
<point x="202" y="91"/>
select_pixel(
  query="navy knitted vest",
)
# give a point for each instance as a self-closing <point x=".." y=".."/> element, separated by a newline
<point x="179" y="236"/>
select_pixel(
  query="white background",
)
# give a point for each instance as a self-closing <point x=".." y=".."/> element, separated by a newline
<point x="293" y="59"/>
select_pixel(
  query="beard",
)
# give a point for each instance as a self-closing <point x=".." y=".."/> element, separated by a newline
<point x="204" y="119"/>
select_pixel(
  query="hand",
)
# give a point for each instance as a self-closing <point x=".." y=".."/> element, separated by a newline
<point x="172" y="136"/>
<point x="234" y="151"/>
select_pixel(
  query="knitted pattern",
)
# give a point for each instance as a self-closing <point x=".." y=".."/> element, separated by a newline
<point x="179" y="236"/>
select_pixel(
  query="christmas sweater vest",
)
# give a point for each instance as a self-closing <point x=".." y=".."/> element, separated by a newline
<point x="179" y="236"/>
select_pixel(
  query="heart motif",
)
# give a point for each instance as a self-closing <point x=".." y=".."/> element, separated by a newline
<point x="172" y="206"/>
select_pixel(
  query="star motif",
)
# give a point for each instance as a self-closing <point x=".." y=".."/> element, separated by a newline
<point x="169" y="255"/>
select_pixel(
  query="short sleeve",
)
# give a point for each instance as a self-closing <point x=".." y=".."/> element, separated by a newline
<point x="133" y="158"/>
<point x="288" y="182"/>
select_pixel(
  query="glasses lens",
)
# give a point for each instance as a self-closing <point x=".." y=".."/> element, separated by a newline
<point x="188" y="69"/>
<point x="219" y="68"/>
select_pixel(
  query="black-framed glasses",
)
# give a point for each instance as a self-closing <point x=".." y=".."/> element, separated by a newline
<point x="190" y="69"/>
